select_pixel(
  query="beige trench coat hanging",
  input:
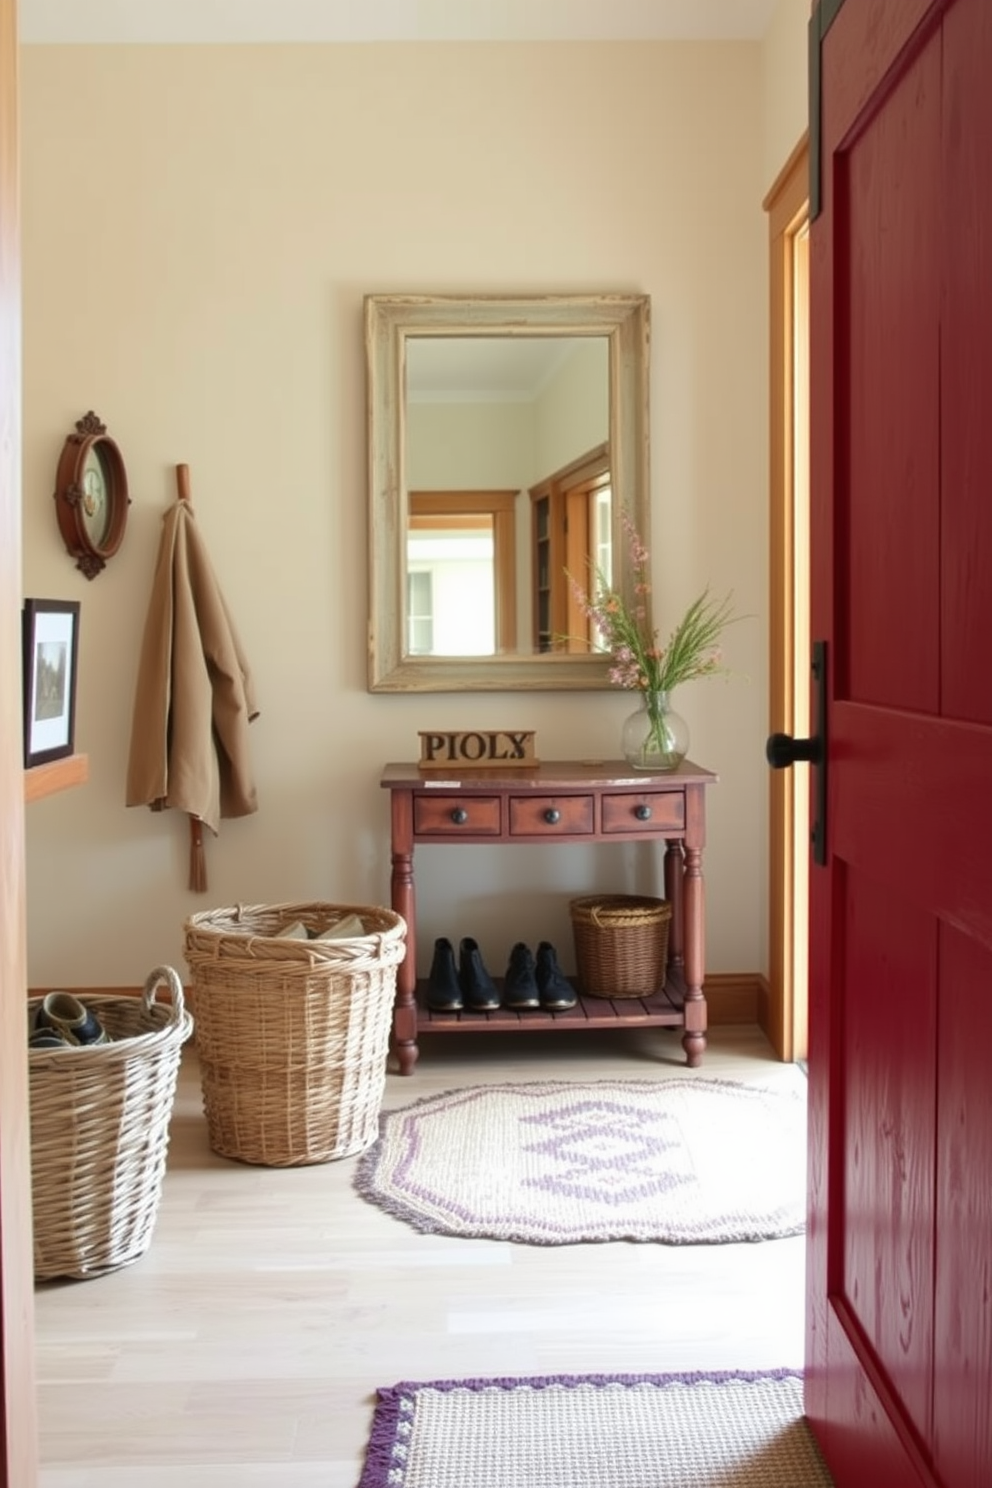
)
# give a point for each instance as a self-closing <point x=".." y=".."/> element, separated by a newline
<point x="194" y="697"/>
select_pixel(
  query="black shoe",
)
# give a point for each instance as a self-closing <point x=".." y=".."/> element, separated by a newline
<point x="520" y="984"/>
<point x="47" y="1038"/>
<point x="444" y="994"/>
<point x="555" y="990"/>
<point x="480" y="992"/>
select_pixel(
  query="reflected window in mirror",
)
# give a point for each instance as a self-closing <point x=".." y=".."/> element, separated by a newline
<point x="420" y="610"/>
<point x="477" y="407"/>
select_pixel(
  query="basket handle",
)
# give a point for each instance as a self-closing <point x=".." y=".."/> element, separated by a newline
<point x="171" y="978"/>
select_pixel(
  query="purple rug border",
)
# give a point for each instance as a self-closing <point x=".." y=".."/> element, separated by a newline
<point x="365" y="1173"/>
<point x="379" y="1468"/>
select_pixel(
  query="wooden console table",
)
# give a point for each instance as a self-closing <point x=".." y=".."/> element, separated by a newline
<point x="563" y="802"/>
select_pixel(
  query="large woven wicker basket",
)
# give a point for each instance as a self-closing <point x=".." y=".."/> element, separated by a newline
<point x="621" y="944"/>
<point x="292" y="1034"/>
<point x="100" y="1132"/>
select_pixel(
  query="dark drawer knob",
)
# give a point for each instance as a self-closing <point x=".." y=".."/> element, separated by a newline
<point x="459" y="816"/>
<point x="642" y="812"/>
<point x="552" y="815"/>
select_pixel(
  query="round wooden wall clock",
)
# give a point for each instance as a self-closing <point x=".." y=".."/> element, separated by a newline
<point x="91" y="498"/>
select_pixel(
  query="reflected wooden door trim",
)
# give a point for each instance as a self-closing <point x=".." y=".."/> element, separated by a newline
<point x="569" y="537"/>
<point x="499" y="508"/>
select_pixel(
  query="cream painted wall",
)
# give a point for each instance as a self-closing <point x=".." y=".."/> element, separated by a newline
<point x="200" y="225"/>
<point x="785" y="85"/>
<point x="573" y="411"/>
<point x="469" y="446"/>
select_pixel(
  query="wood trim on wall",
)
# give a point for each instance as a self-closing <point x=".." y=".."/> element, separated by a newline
<point x="735" y="997"/>
<point x="731" y="996"/>
<point x="58" y="775"/>
<point x="18" y="1411"/>
<point x="783" y="1021"/>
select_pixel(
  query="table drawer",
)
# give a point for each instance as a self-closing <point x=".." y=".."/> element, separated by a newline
<point x="653" y="811"/>
<point x="551" y="816"/>
<point x="456" y="816"/>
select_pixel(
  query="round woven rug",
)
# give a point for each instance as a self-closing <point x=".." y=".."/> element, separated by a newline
<point x="681" y="1161"/>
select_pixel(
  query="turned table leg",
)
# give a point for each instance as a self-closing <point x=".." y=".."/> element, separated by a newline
<point x="403" y="903"/>
<point x="674" y="872"/>
<point x="694" y="1010"/>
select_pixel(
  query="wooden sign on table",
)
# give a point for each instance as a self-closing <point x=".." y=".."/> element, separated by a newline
<point x="476" y="749"/>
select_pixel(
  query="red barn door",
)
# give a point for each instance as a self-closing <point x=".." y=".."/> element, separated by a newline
<point x="899" y="1326"/>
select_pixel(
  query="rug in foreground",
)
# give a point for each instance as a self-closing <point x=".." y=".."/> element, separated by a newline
<point x="681" y="1161"/>
<point x="622" y="1431"/>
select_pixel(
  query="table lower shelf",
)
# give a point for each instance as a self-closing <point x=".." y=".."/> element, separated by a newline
<point x="655" y="1009"/>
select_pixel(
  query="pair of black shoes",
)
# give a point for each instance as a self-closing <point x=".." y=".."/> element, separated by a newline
<point x="539" y="983"/>
<point x="528" y="983"/>
<point x="469" y="985"/>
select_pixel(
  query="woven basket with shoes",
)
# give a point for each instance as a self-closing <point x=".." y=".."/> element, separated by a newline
<point x="100" y="1131"/>
<point x="621" y="944"/>
<point x="292" y="1026"/>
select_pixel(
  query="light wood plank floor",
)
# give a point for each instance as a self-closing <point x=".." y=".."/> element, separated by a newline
<point x="244" y="1348"/>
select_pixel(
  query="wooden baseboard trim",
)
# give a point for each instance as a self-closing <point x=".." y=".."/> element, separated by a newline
<point x="765" y="1020"/>
<point x="83" y="992"/>
<point x="731" y="997"/>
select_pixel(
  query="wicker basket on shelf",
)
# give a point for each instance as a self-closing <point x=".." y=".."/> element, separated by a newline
<point x="292" y="1033"/>
<point x="100" y="1132"/>
<point x="621" y="944"/>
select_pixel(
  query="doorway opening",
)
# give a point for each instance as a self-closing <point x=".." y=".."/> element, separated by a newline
<point x="784" y="1015"/>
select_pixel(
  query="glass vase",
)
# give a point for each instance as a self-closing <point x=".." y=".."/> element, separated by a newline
<point x="655" y="737"/>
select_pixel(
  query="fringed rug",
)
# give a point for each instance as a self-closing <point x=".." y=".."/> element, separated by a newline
<point x="682" y="1161"/>
<point x="624" y="1431"/>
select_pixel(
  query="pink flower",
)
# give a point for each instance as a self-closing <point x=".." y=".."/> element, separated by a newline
<point x="637" y="660"/>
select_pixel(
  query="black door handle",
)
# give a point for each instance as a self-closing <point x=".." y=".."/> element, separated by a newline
<point x="782" y="750"/>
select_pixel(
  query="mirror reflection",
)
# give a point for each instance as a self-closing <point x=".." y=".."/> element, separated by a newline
<point x="518" y="425"/>
<point x="505" y="437"/>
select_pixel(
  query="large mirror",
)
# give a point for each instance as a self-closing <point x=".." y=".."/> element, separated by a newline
<point x="506" y="439"/>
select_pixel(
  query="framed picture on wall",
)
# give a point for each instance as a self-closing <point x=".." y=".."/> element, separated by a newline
<point x="51" y="646"/>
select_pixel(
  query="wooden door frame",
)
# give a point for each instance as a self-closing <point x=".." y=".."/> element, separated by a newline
<point x="782" y="1012"/>
<point x="18" y="1409"/>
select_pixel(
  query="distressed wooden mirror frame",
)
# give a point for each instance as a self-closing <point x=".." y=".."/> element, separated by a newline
<point x="389" y="321"/>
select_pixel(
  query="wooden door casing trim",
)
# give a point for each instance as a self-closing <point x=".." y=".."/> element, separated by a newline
<point x="787" y="204"/>
<point x="497" y="508"/>
<point x="18" y="1410"/>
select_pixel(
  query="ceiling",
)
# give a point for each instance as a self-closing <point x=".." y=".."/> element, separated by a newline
<point x="474" y="369"/>
<point x="80" y="21"/>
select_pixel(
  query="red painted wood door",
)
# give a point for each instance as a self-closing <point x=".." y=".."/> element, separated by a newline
<point x="899" y="1318"/>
